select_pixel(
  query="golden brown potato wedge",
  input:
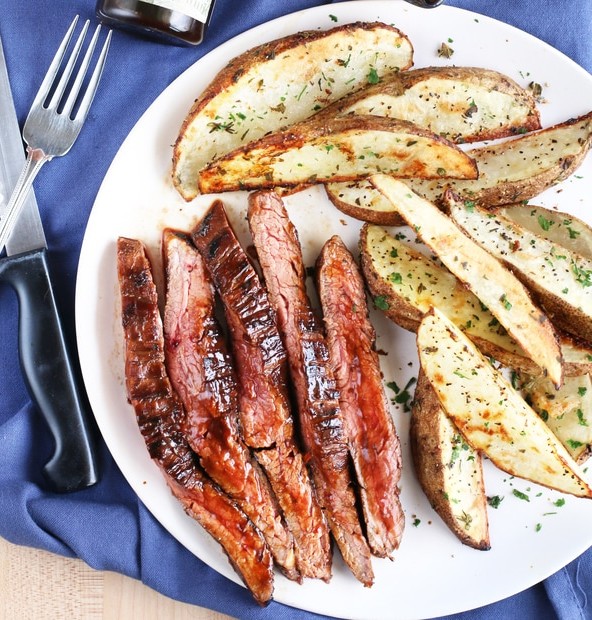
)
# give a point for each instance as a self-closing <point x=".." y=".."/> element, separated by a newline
<point x="494" y="285"/>
<point x="463" y="104"/>
<point x="562" y="228"/>
<point x="336" y="149"/>
<point x="577" y="355"/>
<point x="521" y="168"/>
<point x="280" y="83"/>
<point x="558" y="278"/>
<point x="510" y="171"/>
<point x="405" y="284"/>
<point x="361" y="200"/>
<point x="449" y="471"/>
<point x="490" y="414"/>
<point x="566" y="411"/>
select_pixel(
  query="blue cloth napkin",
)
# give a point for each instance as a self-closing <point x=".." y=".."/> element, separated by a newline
<point x="106" y="525"/>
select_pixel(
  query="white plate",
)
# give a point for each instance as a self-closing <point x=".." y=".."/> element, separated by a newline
<point x="433" y="573"/>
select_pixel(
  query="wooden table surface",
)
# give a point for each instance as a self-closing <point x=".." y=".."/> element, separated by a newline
<point x="40" y="585"/>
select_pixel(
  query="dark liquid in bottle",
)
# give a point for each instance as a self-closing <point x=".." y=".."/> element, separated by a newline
<point x="152" y="20"/>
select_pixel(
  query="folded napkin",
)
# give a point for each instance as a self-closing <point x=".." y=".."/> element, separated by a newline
<point x="106" y="525"/>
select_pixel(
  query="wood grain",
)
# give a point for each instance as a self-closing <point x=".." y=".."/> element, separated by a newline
<point x="38" y="584"/>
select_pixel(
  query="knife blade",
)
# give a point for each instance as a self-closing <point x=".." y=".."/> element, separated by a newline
<point x="47" y="367"/>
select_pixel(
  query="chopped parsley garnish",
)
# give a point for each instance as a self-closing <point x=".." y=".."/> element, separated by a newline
<point x="583" y="276"/>
<point x="520" y="495"/>
<point x="402" y="396"/>
<point x="466" y="519"/>
<point x="373" y="77"/>
<point x="544" y="223"/>
<point x="494" y="501"/>
<point x="445" y="51"/>
<point x="381" y="303"/>
<point x="505" y="302"/>
<point x="536" y="89"/>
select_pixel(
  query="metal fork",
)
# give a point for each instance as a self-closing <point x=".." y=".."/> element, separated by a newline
<point x="50" y="129"/>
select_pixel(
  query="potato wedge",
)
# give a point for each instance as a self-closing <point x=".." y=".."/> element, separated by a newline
<point x="449" y="471"/>
<point x="577" y="356"/>
<point x="520" y="169"/>
<point x="558" y="278"/>
<point x="510" y="171"/>
<point x="489" y="413"/>
<point x="336" y="149"/>
<point x="561" y="228"/>
<point x="463" y="104"/>
<point x="361" y="200"/>
<point x="405" y="284"/>
<point x="280" y="83"/>
<point x="566" y="411"/>
<point x="493" y="284"/>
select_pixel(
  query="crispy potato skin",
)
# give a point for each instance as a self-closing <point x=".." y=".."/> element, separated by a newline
<point x="494" y="162"/>
<point x="402" y="310"/>
<point x="336" y="149"/>
<point x="361" y="200"/>
<point x="556" y="226"/>
<point x="450" y="101"/>
<point x="492" y="283"/>
<point x="251" y="84"/>
<point x="431" y="434"/>
<point x="557" y="277"/>
<point x="499" y="190"/>
<point x="491" y="415"/>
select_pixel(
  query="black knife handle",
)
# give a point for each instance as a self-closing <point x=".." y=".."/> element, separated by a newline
<point x="48" y="372"/>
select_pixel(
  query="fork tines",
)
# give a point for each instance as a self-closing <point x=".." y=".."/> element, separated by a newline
<point x="57" y="91"/>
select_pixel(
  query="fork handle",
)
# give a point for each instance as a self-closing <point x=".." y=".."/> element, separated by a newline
<point x="49" y="373"/>
<point x="35" y="159"/>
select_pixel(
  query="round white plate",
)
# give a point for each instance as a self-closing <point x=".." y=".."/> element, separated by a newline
<point x="432" y="573"/>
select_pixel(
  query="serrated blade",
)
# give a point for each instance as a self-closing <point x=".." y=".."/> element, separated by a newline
<point x="28" y="232"/>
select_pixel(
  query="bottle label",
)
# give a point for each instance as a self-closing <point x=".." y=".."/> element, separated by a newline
<point x="198" y="9"/>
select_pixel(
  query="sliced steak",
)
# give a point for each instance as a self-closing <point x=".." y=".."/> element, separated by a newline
<point x="159" y="414"/>
<point x="373" y="441"/>
<point x="202" y="374"/>
<point x="315" y="390"/>
<point x="261" y="366"/>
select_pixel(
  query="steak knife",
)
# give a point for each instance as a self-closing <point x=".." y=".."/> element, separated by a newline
<point x="45" y="362"/>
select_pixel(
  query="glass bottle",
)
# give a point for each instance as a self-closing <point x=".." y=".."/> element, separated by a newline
<point x="178" y="21"/>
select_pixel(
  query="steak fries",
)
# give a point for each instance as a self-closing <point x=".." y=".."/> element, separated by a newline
<point x="336" y="149"/>
<point x="280" y="83"/>
<point x="490" y="414"/>
<point x="560" y="279"/>
<point x="510" y="171"/>
<point x="449" y="471"/>
<point x="495" y="286"/>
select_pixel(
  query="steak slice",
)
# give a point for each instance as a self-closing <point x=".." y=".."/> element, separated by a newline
<point x="373" y="441"/>
<point x="321" y="423"/>
<point x="261" y="367"/>
<point x="159" y="414"/>
<point x="201" y="372"/>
